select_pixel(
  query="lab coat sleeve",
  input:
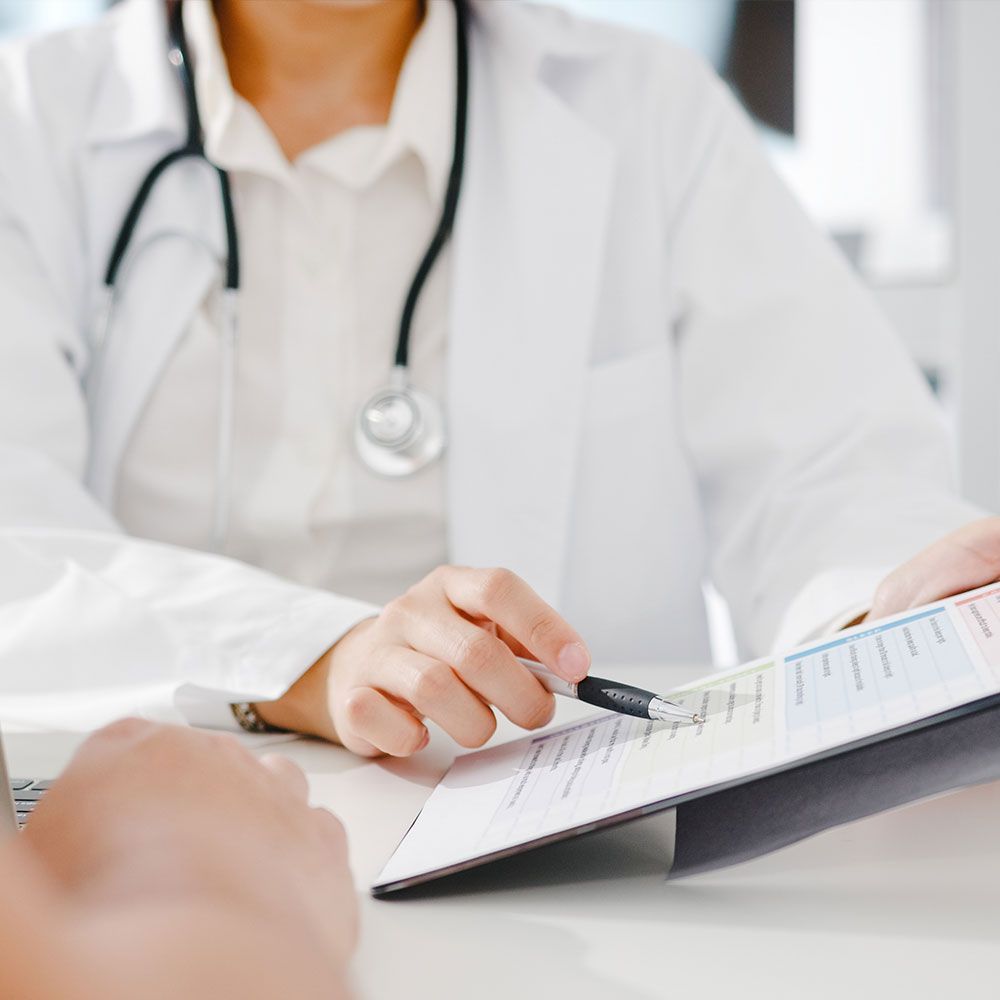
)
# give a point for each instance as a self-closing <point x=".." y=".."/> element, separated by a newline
<point x="95" y="624"/>
<point x="822" y="458"/>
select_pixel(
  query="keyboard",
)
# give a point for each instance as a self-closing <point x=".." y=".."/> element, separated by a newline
<point x="27" y="792"/>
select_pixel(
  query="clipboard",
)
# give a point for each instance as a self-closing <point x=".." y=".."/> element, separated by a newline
<point x="724" y="822"/>
<point x="728" y="826"/>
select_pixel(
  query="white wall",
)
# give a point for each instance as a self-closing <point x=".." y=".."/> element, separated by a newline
<point x="975" y="323"/>
<point x="898" y="135"/>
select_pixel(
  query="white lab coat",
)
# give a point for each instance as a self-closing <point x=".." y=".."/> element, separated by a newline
<point x="658" y="373"/>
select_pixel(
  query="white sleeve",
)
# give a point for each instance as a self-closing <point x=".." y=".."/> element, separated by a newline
<point x="822" y="457"/>
<point x="95" y="624"/>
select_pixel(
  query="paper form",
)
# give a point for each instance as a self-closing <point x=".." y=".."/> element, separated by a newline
<point x="757" y="717"/>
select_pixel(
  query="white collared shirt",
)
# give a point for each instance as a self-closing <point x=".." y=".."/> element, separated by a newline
<point x="328" y="246"/>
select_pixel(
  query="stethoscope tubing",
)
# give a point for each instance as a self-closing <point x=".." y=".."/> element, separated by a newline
<point x="450" y="209"/>
<point x="399" y="460"/>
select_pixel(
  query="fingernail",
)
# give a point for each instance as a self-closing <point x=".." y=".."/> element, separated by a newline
<point x="424" y="741"/>
<point x="573" y="661"/>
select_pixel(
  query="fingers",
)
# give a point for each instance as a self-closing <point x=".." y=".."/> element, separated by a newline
<point x="373" y="724"/>
<point x="288" y="774"/>
<point x="341" y="920"/>
<point x="126" y="730"/>
<point x="445" y="651"/>
<point x="475" y="660"/>
<point x="331" y="829"/>
<point x="963" y="560"/>
<point x="436" y="691"/>
<point x="504" y="598"/>
<point x="895" y="593"/>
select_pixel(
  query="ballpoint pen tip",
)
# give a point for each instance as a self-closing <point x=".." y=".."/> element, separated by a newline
<point x="697" y="719"/>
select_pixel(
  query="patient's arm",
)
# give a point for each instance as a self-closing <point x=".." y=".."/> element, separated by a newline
<point x="171" y="863"/>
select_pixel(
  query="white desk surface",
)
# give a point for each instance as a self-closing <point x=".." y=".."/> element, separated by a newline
<point x="905" y="904"/>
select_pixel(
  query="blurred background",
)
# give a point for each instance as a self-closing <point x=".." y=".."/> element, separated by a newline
<point x="882" y="117"/>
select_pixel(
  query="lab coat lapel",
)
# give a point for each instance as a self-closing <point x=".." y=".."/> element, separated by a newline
<point x="527" y="267"/>
<point x="174" y="262"/>
<point x="174" y="254"/>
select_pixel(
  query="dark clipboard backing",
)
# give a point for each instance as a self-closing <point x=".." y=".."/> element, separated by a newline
<point x="732" y="821"/>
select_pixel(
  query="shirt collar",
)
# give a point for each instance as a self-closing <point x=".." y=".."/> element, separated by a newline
<point x="137" y="95"/>
<point x="421" y="119"/>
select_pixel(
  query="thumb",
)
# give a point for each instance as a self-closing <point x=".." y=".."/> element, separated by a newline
<point x="965" y="559"/>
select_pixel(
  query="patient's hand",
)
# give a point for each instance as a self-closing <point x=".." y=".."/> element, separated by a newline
<point x="165" y="837"/>
<point x="963" y="560"/>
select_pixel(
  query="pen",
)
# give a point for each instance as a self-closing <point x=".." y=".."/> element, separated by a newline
<point x="622" y="698"/>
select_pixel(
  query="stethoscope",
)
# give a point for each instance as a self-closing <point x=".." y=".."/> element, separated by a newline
<point x="399" y="429"/>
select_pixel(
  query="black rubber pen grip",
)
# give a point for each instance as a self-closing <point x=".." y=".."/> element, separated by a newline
<point x="621" y="698"/>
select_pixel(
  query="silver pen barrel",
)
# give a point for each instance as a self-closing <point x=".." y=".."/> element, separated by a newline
<point x="549" y="680"/>
<point x="666" y="711"/>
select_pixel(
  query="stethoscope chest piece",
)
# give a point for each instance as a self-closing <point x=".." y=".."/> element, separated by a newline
<point x="400" y="429"/>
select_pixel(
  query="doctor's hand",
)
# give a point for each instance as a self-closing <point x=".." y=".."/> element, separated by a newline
<point x="446" y="651"/>
<point x="965" y="559"/>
